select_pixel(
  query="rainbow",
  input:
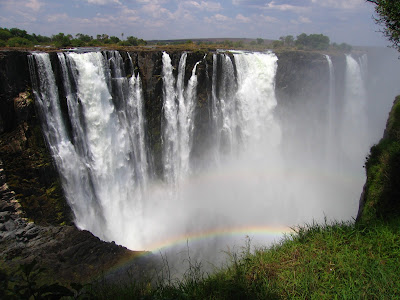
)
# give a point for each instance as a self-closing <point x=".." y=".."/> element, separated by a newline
<point x="269" y="234"/>
<point x="270" y="231"/>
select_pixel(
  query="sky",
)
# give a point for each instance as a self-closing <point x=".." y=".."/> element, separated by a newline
<point x="349" y="21"/>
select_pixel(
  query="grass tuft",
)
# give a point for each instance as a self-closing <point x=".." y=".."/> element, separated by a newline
<point x="319" y="261"/>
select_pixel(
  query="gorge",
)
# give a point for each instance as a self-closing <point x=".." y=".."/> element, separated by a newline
<point x="155" y="148"/>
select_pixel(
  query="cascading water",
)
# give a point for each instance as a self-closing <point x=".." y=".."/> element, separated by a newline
<point x="72" y="171"/>
<point x="330" y="131"/>
<point x="256" y="99"/>
<point x="178" y="106"/>
<point x="105" y="162"/>
<point x="104" y="165"/>
<point x="354" y="121"/>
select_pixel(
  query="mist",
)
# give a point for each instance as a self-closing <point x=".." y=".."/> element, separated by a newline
<point x="281" y="148"/>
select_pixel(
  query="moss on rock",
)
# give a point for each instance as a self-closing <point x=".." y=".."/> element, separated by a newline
<point x="381" y="196"/>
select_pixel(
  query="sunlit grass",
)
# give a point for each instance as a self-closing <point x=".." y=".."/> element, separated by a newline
<point x="328" y="261"/>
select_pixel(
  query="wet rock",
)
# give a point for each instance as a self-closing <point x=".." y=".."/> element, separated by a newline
<point x="4" y="216"/>
<point x="10" y="225"/>
<point x="23" y="106"/>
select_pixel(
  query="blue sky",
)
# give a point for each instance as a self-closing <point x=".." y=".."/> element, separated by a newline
<point x="347" y="21"/>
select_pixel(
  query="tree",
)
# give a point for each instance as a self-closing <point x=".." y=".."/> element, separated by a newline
<point x="312" y="41"/>
<point x="288" y="41"/>
<point x="19" y="42"/>
<point x="18" y="32"/>
<point x="389" y="16"/>
<point x="114" y="39"/>
<point x="84" y="37"/>
<point x="62" y="40"/>
<point x="5" y="34"/>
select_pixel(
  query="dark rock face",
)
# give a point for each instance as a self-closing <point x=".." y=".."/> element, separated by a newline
<point x="29" y="168"/>
<point x="71" y="254"/>
<point x="14" y="79"/>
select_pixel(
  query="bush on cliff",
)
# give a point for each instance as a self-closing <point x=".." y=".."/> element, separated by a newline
<point x="381" y="196"/>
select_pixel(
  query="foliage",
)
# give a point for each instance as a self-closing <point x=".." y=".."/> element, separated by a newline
<point x="25" y="285"/>
<point x="312" y="41"/>
<point x="62" y="40"/>
<point x="83" y="37"/>
<point x="19" y="42"/>
<point x="287" y="41"/>
<point x="389" y="16"/>
<point x="318" y="261"/>
<point x="382" y="189"/>
<point x="342" y="47"/>
<point x="5" y="34"/>
<point x="41" y="39"/>
<point x="15" y="37"/>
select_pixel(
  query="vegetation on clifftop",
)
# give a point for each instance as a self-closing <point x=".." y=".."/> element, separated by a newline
<point x="15" y="37"/>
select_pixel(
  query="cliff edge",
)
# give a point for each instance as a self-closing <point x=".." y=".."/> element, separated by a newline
<point x="380" y="199"/>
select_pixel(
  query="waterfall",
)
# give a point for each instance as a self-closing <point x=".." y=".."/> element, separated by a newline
<point x="96" y="129"/>
<point x="330" y="128"/>
<point x="354" y="122"/>
<point x="179" y="104"/>
<point x="104" y="165"/>
<point x="243" y="108"/>
<point x="227" y="101"/>
<point x="76" y="180"/>
<point x="256" y="99"/>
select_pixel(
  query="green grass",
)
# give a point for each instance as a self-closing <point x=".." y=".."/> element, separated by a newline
<point x="336" y="261"/>
<point x="318" y="261"/>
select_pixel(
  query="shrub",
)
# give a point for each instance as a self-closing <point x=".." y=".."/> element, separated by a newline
<point x="19" y="42"/>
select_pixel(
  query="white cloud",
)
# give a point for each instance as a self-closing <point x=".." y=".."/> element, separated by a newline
<point x="20" y="12"/>
<point x="57" y="17"/>
<point x="301" y="20"/>
<point x="128" y="14"/>
<point x="268" y="19"/>
<point x="156" y="11"/>
<point x="341" y="4"/>
<point x="304" y="20"/>
<point x="221" y="18"/>
<point x="211" y="6"/>
<point x="286" y="7"/>
<point x="202" y="5"/>
<point x="35" y="5"/>
<point x="242" y="18"/>
<point x="103" y="2"/>
<point x="218" y="18"/>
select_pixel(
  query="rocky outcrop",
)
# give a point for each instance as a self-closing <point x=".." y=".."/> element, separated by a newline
<point x="29" y="167"/>
<point x="70" y="254"/>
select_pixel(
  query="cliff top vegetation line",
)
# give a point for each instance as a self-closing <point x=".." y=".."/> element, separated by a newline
<point x="15" y="37"/>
